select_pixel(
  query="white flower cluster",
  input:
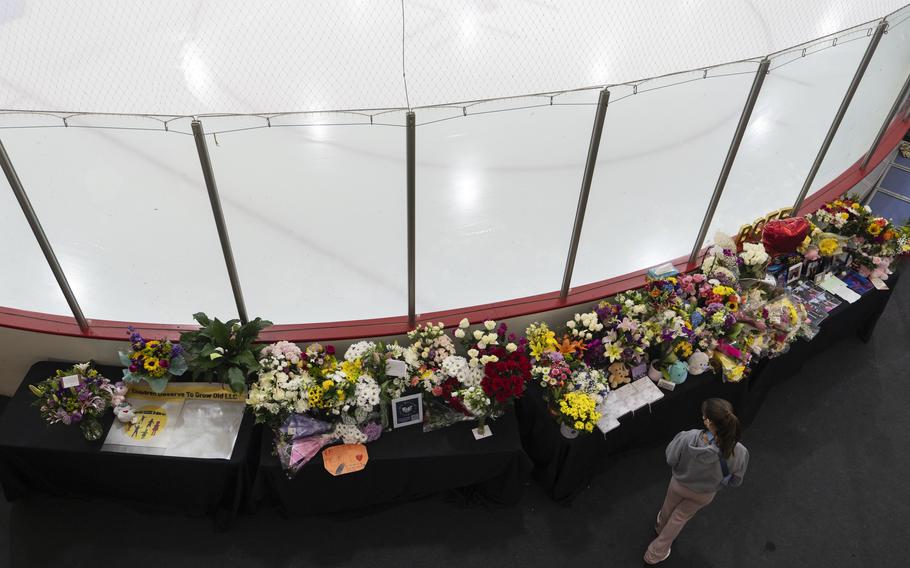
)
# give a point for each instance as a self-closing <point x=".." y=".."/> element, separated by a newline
<point x="367" y="392"/>
<point x="350" y="434"/>
<point x="592" y="382"/>
<point x="430" y="345"/>
<point x="459" y="369"/>
<point x="754" y="254"/>
<point x="359" y="350"/>
<point x="584" y="325"/>
<point x="475" y="400"/>
<point x="278" y="392"/>
<point x="280" y="356"/>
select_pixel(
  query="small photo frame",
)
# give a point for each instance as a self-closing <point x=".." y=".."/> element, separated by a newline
<point x="407" y="410"/>
<point x="794" y="272"/>
<point x="811" y="269"/>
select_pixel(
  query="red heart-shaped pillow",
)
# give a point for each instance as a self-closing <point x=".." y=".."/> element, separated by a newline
<point x="784" y="235"/>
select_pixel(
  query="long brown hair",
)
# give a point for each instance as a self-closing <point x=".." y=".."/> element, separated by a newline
<point x="726" y="424"/>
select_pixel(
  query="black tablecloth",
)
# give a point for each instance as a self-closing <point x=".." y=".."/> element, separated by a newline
<point x="403" y="464"/>
<point x="563" y="467"/>
<point x="35" y="456"/>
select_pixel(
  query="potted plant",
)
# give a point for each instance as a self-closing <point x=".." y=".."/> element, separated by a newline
<point x="222" y="351"/>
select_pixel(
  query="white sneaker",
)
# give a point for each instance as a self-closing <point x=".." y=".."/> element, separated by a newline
<point x="657" y="562"/>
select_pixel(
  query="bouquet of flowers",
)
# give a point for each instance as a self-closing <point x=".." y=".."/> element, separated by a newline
<point x="754" y="259"/>
<point x="562" y="374"/>
<point x="223" y="351"/>
<point x="78" y="395"/>
<point x="301" y="394"/>
<point x="624" y="336"/>
<point x="502" y="370"/>
<point x="282" y="386"/>
<point x="663" y="292"/>
<point x="375" y="360"/>
<point x="578" y="412"/>
<point x="153" y="361"/>
<point x="430" y="346"/>
<point x="843" y="216"/>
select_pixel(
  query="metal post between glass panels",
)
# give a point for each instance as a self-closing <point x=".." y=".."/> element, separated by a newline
<point x="209" y="175"/>
<point x="839" y="116"/>
<point x="43" y="242"/>
<point x="731" y="156"/>
<point x="602" y="102"/>
<point x="410" y="153"/>
<point x="895" y="108"/>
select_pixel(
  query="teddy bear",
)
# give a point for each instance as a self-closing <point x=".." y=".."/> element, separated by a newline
<point x="125" y="413"/>
<point x="619" y="375"/>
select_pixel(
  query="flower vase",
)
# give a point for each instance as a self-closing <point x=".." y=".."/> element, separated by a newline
<point x="654" y="373"/>
<point x="481" y="430"/>
<point x="91" y="429"/>
<point x="481" y="425"/>
<point x="568" y="432"/>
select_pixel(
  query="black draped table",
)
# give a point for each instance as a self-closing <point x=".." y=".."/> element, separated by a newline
<point x="563" y="466"/>
<point x="403" y="464"/>
<point x="35" y="456"/>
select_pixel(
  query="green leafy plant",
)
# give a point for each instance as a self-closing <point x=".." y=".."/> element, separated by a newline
<point x="223" y="351"/>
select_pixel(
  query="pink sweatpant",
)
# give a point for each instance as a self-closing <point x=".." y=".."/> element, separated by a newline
<point x="680" y="505"/>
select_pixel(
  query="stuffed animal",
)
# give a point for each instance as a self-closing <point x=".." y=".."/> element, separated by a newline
<point x="125" y="413"/>
<point x="619" y="375"/>
<point x="118" y="393"/>
<point x="678" y="372"/>
<point x="697" y="363"/>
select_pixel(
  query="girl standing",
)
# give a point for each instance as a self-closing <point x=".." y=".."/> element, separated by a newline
<point x="702" y="461"/>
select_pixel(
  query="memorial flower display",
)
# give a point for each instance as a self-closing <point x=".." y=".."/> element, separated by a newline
<point x="152" y="361"/>
<point x="872" y="240"/>
<point x="561" y="373"/>
<point x="496" y="369"/>
<point x="78" y="395"/>
<point x="310" y="398"/>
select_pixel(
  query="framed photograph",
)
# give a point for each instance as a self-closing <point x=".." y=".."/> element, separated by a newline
<point x="407" y="410"/>
<point x="794" y="272"/>
<point x="812" y="268"/>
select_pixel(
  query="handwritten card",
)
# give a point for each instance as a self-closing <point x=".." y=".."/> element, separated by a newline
<point x="70" y="381"/>
<point x="396" y="368"/>
<point x="345" y="459"/>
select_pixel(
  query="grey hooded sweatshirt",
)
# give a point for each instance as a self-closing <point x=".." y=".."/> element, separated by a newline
<point x="696" y="463"/>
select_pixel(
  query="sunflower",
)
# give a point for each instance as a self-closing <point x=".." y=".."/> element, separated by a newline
<point x="151" y="365"/>
<point x="874" y="229"/>
<point x="732" y="305"/>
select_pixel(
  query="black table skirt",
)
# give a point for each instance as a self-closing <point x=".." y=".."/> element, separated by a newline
<point x="404" y="464"/>
<point x="564" y="467"/>
<point x="35" y="456"/>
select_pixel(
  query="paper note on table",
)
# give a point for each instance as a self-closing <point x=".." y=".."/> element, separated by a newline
<point x="607" y="423"/>
<point x="344" y="459"/>
<point x="837" y="287"/>
<point x="648" y="390"/>
<point x="879" y="284"/>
